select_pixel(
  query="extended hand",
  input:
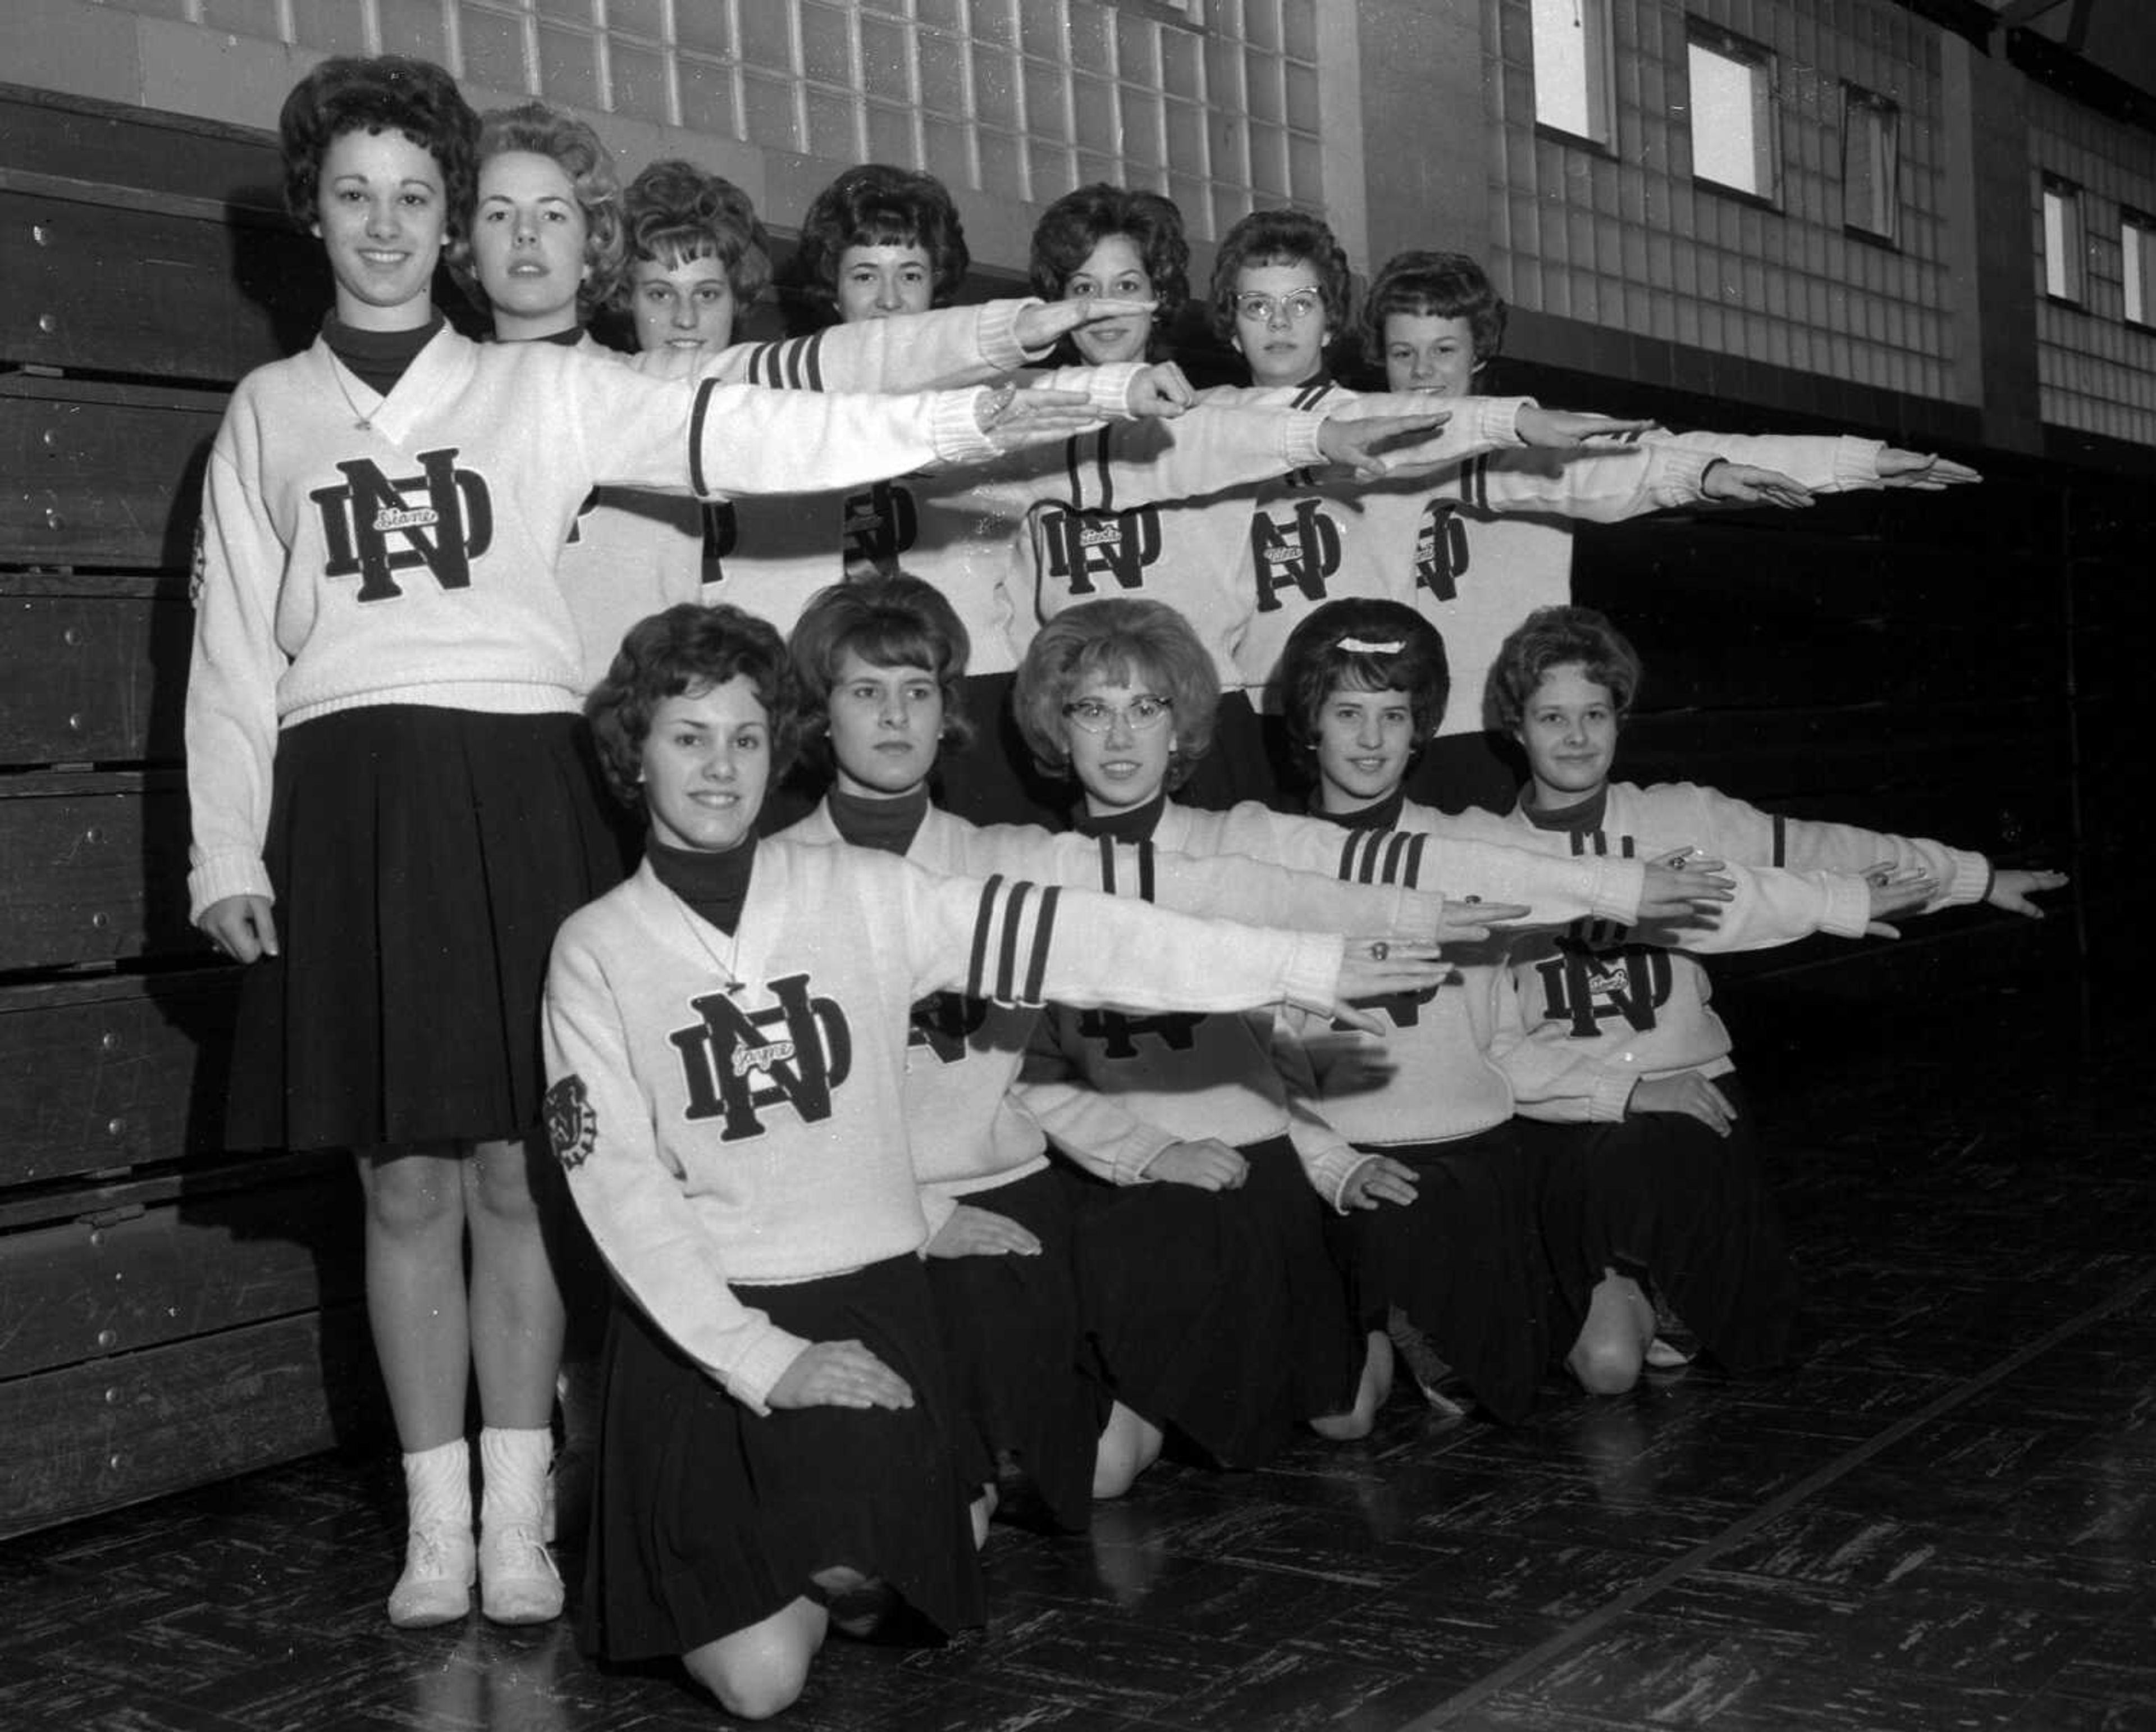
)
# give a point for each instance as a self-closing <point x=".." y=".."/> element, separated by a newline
<point x="1158" y="393"/>
<point x="1039" y="327"/>
<point x="1741" y="483"/>
<point x="241" y="926"/>
<point x="1375" y="446"/>
<point x="1925" y="470"/>
<point x="1681" y="885"/>
<point x="981" y="1232"/>
<point x="2010" y="889"/>
<point x="839" y="1374"/>
<point x="1570" y="427"/>
<point x="1013" y="419"/>
<point x="1378" y="968"/>
<point x="1459" y="922"/>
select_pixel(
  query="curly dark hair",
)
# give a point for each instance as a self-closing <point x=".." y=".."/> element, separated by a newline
<point x="675" y="212"/>
<point x="876" y="205"/>
<point x="688" y="648"/>
<point x="1362" y="644"/>
<point x="895" y="621"/>
<point x="1551" y="637"/>
<point x="386" y="93"/>
<point x="1078" y="222"/>
<point x="1281" y="237"/>
<point x="1434" y="285"/>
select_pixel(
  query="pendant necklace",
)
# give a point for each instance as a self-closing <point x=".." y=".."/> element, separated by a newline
<point x="697" y="926"/>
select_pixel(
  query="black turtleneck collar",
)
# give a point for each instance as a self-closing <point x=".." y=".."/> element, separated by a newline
<point x="714" y="885"/>
<point x="378" y="358"/>
<point x="1383" y="815"/>
<point x="567" y="339"/>
<point x="1135" y="824"/>
<point x="890" y="825"/>
<point x="1576" y="820"/>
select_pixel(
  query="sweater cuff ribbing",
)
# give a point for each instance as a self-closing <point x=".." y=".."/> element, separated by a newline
<point x="219" y="875"/>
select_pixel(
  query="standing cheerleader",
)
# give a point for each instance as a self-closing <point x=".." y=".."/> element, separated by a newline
<point x="726" y="1037"/>
<point x="1653" y="1186"/>
<point x="390" y="800"/>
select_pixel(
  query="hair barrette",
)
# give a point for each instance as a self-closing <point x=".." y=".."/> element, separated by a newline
<point x="1366" y="646"/>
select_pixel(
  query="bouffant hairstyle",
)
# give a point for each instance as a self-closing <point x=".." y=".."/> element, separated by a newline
<point x="895" y="621"/>
<point x="1361" y="644"/>
<point x="388" y="93"/>
<point x="1127" y="640"/>
<point x="876" y="205"/>
<point x="1433" y="285"/>
<point x="544" y="131"/>
<point x="1281" y="237"/>
<point x="1552" y="637"/>
<point x="689" y="649"/>
<point x="674" y="213"/>
<point x="1078" y="222"/>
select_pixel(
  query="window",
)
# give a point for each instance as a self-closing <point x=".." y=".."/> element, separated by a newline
<point x="2137" y="240"/>
<point x="1870" y="163"/>
<point x="1575" y="76"/>
<point x="2065" y="254"/>
<point x="1732" y="111"/>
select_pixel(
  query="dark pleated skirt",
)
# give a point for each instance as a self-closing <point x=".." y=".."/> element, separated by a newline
<point x="1012" y="1332"/>
<point x="707" y="1519"/>
<point x="421" y="859"/>
<point x="1464" y="1261"/>
<point x="1662" y="1198"/>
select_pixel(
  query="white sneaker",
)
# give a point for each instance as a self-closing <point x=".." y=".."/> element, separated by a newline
<point x="436" y="1585"/>
<point x="518" y="1583"/>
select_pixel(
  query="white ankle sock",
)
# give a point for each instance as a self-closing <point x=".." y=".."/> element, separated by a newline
<point x="438" y="1487"/>
<point x="513" y="1466"/>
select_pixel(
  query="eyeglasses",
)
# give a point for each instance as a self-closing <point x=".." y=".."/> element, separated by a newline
<point x="1141" y="715"/>
<point x="1254" y="304"/>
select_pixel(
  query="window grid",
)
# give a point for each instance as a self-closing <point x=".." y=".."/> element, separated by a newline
<point x="1626" y="241"/>
<point x="1575" y="69"/>
<point x="1870" y="163"/>
<point x="2096" y="373"/>
<point x="1214" y="102"/>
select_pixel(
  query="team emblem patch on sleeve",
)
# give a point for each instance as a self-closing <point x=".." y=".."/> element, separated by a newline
<point x="571" y="1127"/>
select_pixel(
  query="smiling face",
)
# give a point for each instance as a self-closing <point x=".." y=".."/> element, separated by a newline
<point x="1425" y="352"/>
<point x="1115" y="268"/>
<point x="1365" y="741"/>
<point x="705" y="765"/>
<point x="528" y="245"/>
<point x="877" y="282"/>
<point x="381" y="216"/>
<point x="886" y="723"/>
<point x="687" y="306"/>
<point x="1283" y="336"/>
<point x="1123" y="764"/>
<point x="1569" y="729"/>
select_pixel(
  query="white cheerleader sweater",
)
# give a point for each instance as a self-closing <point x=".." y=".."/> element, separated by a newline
<point x="1192" y="553"/>
<point x="1437" y="1076"/>
<point x="732" y="1110"/>
<point x="632" y="553"/>
<point x="1314" y="538"/>
<point x="964" y="1053"/>
<point x="1602" y="1006"/>
<point x="356" y="549"/>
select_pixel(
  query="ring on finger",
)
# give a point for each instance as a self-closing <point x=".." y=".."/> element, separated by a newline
<point x="1380" y="950"/>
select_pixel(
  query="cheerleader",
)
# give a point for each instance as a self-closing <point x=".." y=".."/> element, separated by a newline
<point x="1459" y="1253"/>
<point x="388" y="793"/>
<point x="726" y="1036"/>
<point x="1652" y="1186"/>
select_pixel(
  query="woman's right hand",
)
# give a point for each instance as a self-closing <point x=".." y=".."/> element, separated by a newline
<point x="839" y="1374"/>
<point x="1206" y="1163"/>
<point x="241" y="926"/>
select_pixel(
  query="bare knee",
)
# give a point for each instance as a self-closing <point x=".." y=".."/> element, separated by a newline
<point x="1605" y="1365"/>
<point x="1128" y="1447"/>
<point x="500" y="1184"/>
<point x="412" y="1195"/>
<point x="761" y="1671"/>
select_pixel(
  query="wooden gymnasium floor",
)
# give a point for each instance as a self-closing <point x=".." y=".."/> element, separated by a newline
<point x="1946" y="1518"/>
